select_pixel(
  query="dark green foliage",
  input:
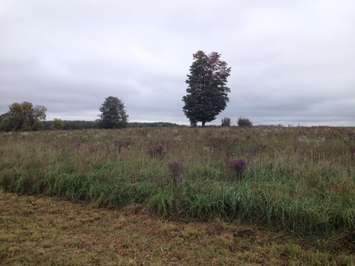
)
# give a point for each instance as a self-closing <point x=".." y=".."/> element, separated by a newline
<point x="151" y="124"/>
<point x="113" y="113"/>
<point x="71" y="125"/>
<point x="4" y="122"/>
<point x="23" y="117"/>
<point x="78" y="124"/>
<point x="207" y="93"/>
<point x="244" y="122"/>
<point x="58" y="123"/>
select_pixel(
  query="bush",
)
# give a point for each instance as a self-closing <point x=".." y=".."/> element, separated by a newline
<point x="58" y="123"/>
<point x="23" y="117"/>
<point x="244" y="122"/>
<point x="226" y="122"/>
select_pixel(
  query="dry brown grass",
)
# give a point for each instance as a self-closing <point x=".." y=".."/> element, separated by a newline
<point x="44" y="231"/>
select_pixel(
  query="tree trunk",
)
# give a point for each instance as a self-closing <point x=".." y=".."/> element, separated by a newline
<point x="203" y="123"/>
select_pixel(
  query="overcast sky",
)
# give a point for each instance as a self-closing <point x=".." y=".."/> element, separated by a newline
<point x="292" y="61"/>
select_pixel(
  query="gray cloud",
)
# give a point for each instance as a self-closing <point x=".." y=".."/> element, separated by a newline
<point x="292" y="61"/>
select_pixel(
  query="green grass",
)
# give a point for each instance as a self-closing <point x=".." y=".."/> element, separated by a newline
<point x="298" y="179"/>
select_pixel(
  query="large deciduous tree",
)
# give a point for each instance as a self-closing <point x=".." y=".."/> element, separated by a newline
<point x="207" y="92"/>
<point x="113" y="113"/>
<point x="23" y="116"/>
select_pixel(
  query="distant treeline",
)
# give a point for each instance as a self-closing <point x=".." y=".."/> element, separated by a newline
<point x="151" y="124"/>
<point x="81" y="124"/>
<point x="67" y="125"/>
<point x="27" y="117"/>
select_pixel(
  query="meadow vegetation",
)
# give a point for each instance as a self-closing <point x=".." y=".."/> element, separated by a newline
<point x="296" y="179"/>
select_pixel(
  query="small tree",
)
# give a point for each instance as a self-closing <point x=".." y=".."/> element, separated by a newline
<point x="113" y="113"/>
<point x="58" y="123"/>
<point x="226" y="122"/>
<point x="244" y="122"/>
<point x="207" y="93"/>
<point x="23" y="116"/>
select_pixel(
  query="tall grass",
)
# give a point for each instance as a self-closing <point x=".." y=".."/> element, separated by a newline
<point x="299" y="179"/>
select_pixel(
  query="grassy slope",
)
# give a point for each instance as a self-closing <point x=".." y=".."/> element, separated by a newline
<point x="44" y="231"/>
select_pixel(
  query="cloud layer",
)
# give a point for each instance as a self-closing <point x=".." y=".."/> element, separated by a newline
<point x="292" y="61"/>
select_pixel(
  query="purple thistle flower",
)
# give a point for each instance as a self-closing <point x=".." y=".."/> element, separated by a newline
<point x="237" y="166"/>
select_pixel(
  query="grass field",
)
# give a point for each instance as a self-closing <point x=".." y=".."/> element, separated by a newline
<point x="43" y="231"/>
<point x="297" y="186"/>
<point x="296" y="179"/>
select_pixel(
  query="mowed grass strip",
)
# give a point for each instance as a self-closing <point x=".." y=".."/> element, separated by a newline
<point x="45" y="231"/>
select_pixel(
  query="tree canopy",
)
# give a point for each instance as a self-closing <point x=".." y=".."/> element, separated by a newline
<point x="207" y="93"/>
<point x="113" y="113"/>
<point x="23" y="116"/>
